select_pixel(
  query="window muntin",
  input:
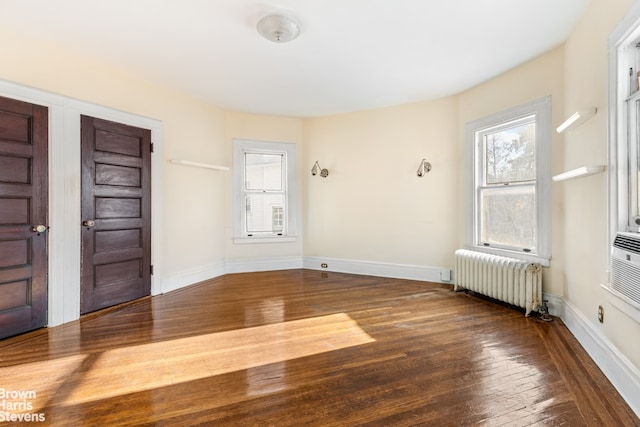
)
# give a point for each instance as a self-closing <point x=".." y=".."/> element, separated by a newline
<point x="509" y="186"/>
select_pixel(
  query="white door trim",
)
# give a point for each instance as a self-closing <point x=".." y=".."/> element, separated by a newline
<point x="65" y="193"/>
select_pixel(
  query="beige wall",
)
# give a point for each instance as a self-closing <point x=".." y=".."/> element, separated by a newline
<point x="372" y="206"/>
<point x="585" y="204"/>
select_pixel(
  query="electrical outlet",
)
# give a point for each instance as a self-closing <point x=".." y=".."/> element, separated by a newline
<point x="324" y="265"/>
<point x="600" y="314"/>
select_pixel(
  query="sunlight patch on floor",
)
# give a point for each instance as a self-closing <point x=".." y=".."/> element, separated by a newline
<point x="148" y="366"/>
<point x="42" y="378"/>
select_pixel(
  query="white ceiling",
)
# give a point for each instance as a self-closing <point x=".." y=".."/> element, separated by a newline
<point x="351" y="54"/>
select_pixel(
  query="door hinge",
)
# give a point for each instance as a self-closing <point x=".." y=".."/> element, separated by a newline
<point x="151" y="270"/>
<point x="152" y="147"/>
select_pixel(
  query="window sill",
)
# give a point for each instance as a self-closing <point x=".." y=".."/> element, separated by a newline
<point x="542" y="260"/>
<point x="249" y="240"/>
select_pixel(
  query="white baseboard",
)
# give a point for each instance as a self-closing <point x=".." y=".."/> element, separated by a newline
<point x="370" y="268"/>
<point x="189" y="277"/>
<point x="262" y="264"/>
<point x="617" y="368"/>
<point x="555" y="304"/>
<point x="399" y="271"/>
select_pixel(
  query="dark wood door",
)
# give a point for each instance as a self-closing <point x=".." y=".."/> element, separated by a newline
<point x="116" y="213"/>
<point x="23" y="207"/>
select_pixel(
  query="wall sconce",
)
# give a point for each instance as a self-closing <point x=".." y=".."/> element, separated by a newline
<point x="317" y="168"/>
<point x="423" y="168"/>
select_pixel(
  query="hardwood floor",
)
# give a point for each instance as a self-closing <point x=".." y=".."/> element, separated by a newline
<point x="304" y="348"/>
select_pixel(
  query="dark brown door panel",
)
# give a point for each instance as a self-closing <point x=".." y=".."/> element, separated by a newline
<point x="23" y="207"/>
<point x="116" y="213"/>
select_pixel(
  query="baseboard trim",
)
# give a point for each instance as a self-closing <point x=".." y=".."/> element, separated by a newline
<point x="398" y="271"/>
<point x="370" y="268"/>
<point x="555" y="304"/>
<point x="262" y="264"/>
<point x="623" y="375"/>
<point x="190" y="277"/>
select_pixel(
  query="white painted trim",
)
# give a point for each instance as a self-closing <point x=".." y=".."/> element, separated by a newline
<point x="292" y="207"/>
<point x="76" y="108"/>
<point x="617" y="368"/>
<point x="555" y="304"/>
<point x="627" y="31"/>
<point x="379" y="269"/>
<point x="258" y="239"/>
<point x="190" y="277"/>
<point x="541" y="108"/>
<point x="263" y="264"/>
<point x="623" y="303"/>
<point x="369" y="268"/>
<point x="64" y="192"/>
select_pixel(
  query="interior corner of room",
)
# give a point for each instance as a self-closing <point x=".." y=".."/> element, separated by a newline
<point x="240" y="165"/>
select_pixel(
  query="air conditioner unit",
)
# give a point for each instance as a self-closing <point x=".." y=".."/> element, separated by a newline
<point x="625" y="265"/>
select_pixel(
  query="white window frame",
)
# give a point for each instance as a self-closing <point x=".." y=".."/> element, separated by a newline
<point x="541" y="109"/>
<point x="288" y="150"/>
<point x="623" y="55"/>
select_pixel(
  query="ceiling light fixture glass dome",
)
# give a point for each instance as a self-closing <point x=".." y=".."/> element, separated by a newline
<point x="278" y="28"/>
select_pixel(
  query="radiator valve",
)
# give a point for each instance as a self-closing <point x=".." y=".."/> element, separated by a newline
<point x="544" y="311"/>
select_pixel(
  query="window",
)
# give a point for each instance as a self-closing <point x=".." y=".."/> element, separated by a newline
<point x="624" y="165"/>
<point x="509" y="187"/>
<point x="263" y="180"/>
<point x="625" y="149"/>
<point x="631" y="215"/>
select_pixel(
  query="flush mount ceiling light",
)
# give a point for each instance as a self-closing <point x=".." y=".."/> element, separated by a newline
<point x="278" y="28"/>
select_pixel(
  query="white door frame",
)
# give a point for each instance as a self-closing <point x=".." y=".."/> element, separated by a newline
<point x="65" y="193"/>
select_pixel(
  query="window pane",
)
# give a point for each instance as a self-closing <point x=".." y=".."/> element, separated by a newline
<point x="633" y="151"/>
<point x="260" y="211"/>
<point x="508" y="216"/>
<point x="277" y="218"/>
<point x="263" y="171"/>
<point x="510" y="155"/>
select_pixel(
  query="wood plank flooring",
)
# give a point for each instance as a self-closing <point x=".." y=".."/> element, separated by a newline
<point x="307" y="348"/>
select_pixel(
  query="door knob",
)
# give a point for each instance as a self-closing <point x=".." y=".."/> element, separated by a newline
<point x="89" y="223"/>
<point x="39" y="228"/>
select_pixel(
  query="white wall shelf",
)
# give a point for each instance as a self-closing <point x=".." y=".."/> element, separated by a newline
<point x="579" y="172"/>
<point x="576" y="119"/>
<point x="199" y="165"/>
